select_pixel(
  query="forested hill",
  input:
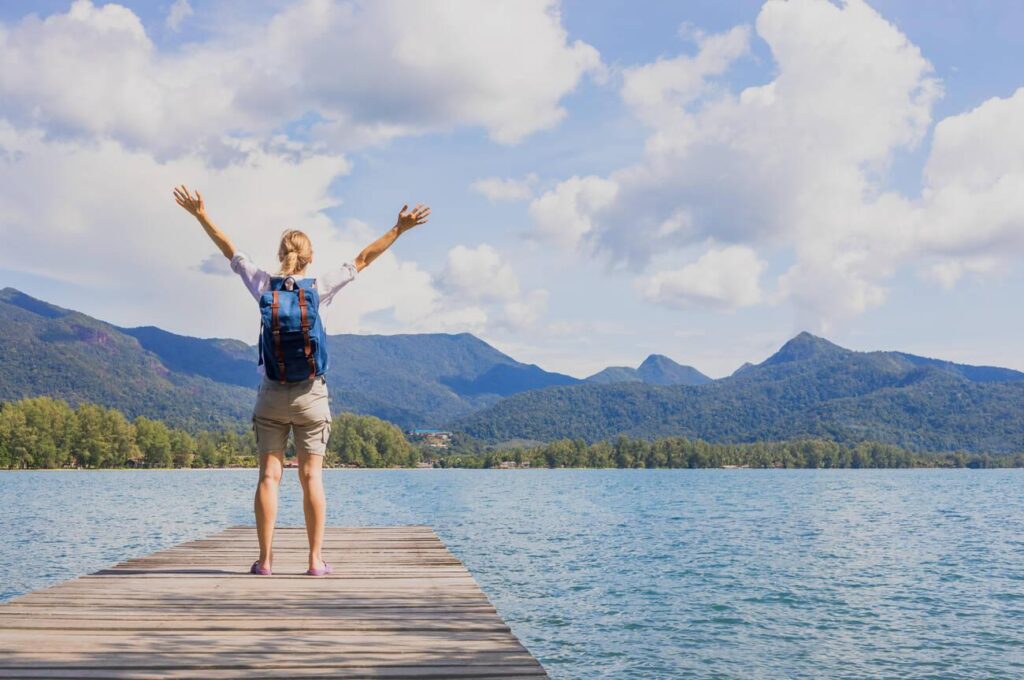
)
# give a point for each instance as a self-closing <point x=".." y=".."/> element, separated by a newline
<point x="46" y="350"/>
<point x="413" y="380"/>
<point x="809" y="388"/>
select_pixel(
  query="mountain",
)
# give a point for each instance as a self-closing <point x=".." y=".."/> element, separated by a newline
<point x="656" y="369"/>
<point x="975" y="373"/>
<point x="742" y="368"/>
<point x="48" y="350"/>
<point x="412" y="380"/>
<point x="809" y="388"/>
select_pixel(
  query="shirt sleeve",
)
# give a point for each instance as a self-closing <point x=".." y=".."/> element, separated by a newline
<point x="254" y="278"/>
<point x="330" y="283"/>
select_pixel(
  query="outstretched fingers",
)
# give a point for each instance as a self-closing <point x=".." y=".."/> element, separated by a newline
<point x="185" y="199"/>
<point x="180" y="198"/>
<point x="421" y="214"/>
<point x="411" y="218"/>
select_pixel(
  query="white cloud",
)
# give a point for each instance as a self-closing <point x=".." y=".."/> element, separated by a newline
<point x="799" y="165"/>
<point x="973" y="201"/>
<point x="422" y="66"/>
<point x="179" y="11"/>
<point x="948" y="272"/>
<point x="481" y="278"/>
<point x="479" y="274"/>
<point x="507" y="189"/>
<point x="563" y="215"/>
<point x="519" y="315"/>
<point x="116" y="230"/>
<point x="97" y="124"/>
<point x="723" y="278"/>
<point x="662" y="90"/>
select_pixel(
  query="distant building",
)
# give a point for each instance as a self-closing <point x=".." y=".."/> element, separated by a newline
<point x="440" y="439"/>
<point x="511" y="464"/>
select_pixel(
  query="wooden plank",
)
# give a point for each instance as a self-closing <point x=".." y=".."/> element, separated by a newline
<point x="398" y="605"/>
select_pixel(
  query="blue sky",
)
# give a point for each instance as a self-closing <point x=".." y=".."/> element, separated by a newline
<point x="608" y="179"/>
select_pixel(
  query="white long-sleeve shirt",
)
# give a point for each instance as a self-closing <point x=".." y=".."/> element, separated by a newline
<point x="258" y="281"/>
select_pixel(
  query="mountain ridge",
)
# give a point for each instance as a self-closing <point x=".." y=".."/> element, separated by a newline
<point x="810" y="387"/>
<point x="410" y="379"/>
<point x="656" y="369"/>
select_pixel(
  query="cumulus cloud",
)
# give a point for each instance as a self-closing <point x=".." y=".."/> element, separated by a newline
<point x="178" y="12"/>
<point x="365" y="72"/>
<point x="661" y="91"/>
<point x="564" y="215"/>
<point x="97" y="124"/>
<point x="481" y="278"/>
<point x="798" y="165"/>
<point x="479" y="274"/>
<point x="117" y="231"/>
<point x="506" y="189"/>
<point x="973" y="201"/>
<point x="723" y="278"/>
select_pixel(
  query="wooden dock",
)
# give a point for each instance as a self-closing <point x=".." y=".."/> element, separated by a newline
<point x="398" y="605"/>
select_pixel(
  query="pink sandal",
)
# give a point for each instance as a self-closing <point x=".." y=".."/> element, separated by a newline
<point x="257" y="569"/>
<point x="320" y="572"/>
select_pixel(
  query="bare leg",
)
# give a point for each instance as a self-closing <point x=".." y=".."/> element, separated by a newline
<point x="265" y="504"/>
<point x="313" y="504"/>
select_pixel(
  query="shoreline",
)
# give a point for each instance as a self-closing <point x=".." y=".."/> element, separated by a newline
<point x="496" y="469"/>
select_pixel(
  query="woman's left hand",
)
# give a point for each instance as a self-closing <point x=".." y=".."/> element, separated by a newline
<point x="194" y="205"/>
<point x="407" y="219"/>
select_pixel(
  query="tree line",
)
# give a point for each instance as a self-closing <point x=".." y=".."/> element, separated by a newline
<point x="42" y="432"/>
<point x="680" y="452"/>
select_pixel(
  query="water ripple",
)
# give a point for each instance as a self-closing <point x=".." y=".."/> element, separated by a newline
<point x="630" y="573"/>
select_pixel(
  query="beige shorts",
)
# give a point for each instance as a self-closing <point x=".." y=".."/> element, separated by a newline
<point x="300" y="407"/>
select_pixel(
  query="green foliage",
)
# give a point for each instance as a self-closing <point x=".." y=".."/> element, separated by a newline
<point x="367" y="441"/>
<point x="809" y="389"/>
<point x="154" y="440"/>
<point x="679" y="452"/>
<point x="47" y="433"/>
<point x="54" y="352"/>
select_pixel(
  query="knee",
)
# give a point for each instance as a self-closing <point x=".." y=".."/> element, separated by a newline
<point x="270" y="476"/>
<point x="308" y="475"/>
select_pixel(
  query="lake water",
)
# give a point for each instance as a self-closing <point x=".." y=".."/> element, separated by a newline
<point x="630" y="573"/>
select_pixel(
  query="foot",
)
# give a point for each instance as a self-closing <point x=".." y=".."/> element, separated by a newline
<point x="318" y="568"/>
<point x="261" y="568"/>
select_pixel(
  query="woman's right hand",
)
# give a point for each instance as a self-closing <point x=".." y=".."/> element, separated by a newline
<point x="184" y="198"/>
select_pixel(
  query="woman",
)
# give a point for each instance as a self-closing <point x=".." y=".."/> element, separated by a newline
<point x="285" y="404"/>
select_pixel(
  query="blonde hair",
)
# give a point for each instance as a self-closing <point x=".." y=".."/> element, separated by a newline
<point x="295" y="252"/>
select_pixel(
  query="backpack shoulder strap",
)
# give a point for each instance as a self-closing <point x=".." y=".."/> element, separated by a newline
<point x="275" y="329"/>
<point x="307" y="347"/>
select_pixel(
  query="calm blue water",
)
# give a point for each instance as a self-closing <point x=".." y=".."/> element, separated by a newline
<point x="633" y="573"/>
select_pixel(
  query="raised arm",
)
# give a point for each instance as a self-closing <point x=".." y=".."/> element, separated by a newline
<point x="197" y="209"/>
<point x="407" y="219"/>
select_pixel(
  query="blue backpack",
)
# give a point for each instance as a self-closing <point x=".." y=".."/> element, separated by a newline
<point x="293" y="346"/>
